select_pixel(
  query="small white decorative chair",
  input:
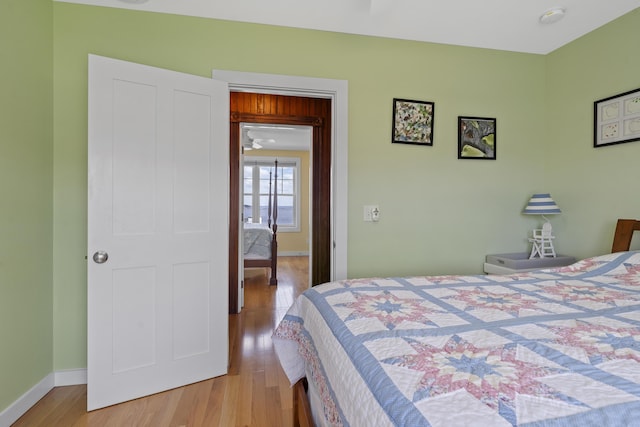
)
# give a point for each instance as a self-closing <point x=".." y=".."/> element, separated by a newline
<point x="542" y="204"/>
<point x="542" y="242"/>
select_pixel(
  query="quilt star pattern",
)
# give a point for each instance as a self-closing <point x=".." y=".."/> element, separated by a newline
<point x="557" y="347"/>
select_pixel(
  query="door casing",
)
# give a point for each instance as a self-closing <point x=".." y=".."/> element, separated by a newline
<point x="337" y="92"/>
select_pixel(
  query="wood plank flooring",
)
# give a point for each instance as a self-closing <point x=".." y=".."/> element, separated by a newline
<point x="255" y="392"/>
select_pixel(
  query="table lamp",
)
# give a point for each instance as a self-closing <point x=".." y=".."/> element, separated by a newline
<point x="542" y="241"/>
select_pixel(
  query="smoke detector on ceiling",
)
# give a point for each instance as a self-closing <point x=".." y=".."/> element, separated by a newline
<point x="552" y="15"/>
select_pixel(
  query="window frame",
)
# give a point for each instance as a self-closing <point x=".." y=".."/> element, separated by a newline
<point x="267" y="161"/>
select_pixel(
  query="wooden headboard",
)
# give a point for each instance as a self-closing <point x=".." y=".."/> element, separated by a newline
<point x="624" y="234"/>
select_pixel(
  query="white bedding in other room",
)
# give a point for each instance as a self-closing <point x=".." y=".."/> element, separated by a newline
<point x="257" y="241"/>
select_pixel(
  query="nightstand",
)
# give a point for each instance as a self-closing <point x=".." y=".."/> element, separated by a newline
<point x="520" y="262"/>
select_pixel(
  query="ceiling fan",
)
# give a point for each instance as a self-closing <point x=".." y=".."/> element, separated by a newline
<point x="251" y="144"/>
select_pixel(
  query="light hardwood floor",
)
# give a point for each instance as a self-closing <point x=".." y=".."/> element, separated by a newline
<point x="254" y="393"/>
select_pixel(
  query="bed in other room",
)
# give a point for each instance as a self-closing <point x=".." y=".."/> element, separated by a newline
<point x="260" y="242"/>
<point x="259" y="248"/>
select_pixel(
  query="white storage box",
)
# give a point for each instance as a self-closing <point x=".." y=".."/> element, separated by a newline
<point x="520" y="262"/>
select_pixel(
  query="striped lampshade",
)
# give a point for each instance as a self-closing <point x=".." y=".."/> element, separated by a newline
<point x="541" y="204"/>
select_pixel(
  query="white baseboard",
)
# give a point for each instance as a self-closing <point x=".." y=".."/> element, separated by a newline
<point x="70" y="377"/>
<point x="27" y="400"/>
<point x="293" y="253"/>
<point x="38" y="391"/>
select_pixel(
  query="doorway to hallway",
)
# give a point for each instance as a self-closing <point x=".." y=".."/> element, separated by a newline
<point x="287" y="110"/>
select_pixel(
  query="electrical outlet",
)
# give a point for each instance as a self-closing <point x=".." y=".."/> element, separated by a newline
<point x="371" y="213"/>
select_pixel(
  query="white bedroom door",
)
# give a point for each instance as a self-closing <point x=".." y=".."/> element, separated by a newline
<point x="158" y="207"/>
<point x="243" y="219"/>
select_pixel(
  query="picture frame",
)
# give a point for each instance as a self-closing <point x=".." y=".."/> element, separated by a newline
<point x="616" y="119"/>
<point x="477" y="138"/>
<point x="412" y="122"/>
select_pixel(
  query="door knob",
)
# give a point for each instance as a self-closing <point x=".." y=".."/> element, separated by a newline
<point x="100" y="257"/>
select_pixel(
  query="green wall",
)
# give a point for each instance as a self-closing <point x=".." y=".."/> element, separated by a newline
<point x="439" y="214"/>
<point x="26" y="99"/>
<point x="593" y="186"/>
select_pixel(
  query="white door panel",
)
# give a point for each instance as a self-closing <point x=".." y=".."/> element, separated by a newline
<point x="158" y="205"/>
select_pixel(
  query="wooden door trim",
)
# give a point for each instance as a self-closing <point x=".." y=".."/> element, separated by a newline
<point x="275" y="119"/>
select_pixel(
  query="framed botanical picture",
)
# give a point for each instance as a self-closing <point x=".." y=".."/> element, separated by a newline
<point x="412" y="122"/>
<point x="476" y="138"/>
<point x="617" y="119"/>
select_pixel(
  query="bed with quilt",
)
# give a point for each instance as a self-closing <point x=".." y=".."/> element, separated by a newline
<point x="557" y="347"/>
<point x="261" y="248"/>
<point x="260" y="242"/>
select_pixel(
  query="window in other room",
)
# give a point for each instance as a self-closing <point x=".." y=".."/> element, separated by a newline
<point x="259" y="174"/>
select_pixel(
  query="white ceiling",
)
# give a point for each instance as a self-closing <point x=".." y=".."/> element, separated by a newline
<point x="275" y="137"/>
<point x="511" y="25"/>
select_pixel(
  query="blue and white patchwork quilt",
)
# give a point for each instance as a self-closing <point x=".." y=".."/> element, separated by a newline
<point x="558" y="347"/>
